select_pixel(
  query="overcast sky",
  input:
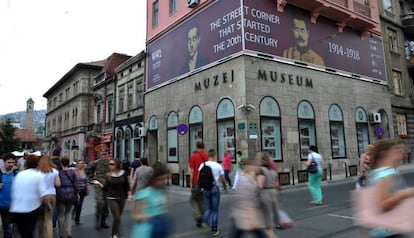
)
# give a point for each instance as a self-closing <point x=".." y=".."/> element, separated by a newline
<point x="41" y="40"/>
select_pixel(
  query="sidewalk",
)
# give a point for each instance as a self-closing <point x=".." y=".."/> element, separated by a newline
<point x="336" y="178"/>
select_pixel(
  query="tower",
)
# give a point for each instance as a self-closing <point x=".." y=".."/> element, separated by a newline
<point x="29" y="114"/>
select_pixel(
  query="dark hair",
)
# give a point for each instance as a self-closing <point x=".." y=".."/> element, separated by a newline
<point x="196" y="26"/>
<point x="31" y="162"/>
<point x="144" y="161"/>
<point x="380" y="150"/>
<point x="313" y="148"/>
<point x="65" y="161"/>
<point x="239" y="153"/>
<point x="8" y="156"/>
<point x="211" y="153"/>
<point x="117" y="163"/>
<point x="158" y="170"/>
<point x="200" y="145"/>
<point x="56" y="152"/>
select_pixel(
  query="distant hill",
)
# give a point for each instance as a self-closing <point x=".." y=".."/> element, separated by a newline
<point x="20" y="117"/>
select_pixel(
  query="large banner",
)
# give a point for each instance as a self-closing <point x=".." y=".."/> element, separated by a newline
<point x="225" y="28"/>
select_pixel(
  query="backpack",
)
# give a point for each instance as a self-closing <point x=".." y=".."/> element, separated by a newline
<point x="66" y="192"/>
<point x="205" y="177"/>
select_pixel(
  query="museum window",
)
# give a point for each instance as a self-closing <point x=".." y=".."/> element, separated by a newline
<point x="392" y="40"/>
<point x="172" y="137"/>
<point x="270" y="128"/>
<point x="336" y="124"/>
<point x="225" y="129"/>
<point x="173" y="6"/>
<point x="127" y="150"/>
<point x="397" y="80"/>
<point x="155" y="14"/>
<point x="306" y="127"/>
<point x="195" y="121"/>
<point x="362" y="130"/>
<point x="401" y="125"/>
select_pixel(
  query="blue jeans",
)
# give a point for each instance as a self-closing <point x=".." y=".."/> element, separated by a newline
<point x="7" y="227"/>
<point x="227" y="177"/>
<point x="212" y="201"/>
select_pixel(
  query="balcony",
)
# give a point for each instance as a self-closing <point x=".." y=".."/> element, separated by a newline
<point x="407" y="21"/>
<point x="352" y="13"/>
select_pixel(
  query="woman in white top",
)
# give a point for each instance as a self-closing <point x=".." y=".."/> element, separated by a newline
<point x="52" y="180"/>
<point x="315" y="179"/>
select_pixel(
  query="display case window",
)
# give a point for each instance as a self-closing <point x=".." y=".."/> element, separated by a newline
<point x="270" y="128"/>
<point x="226" y="133"/>
<point x="196" y="127"/>
<point x="336" y="124"/>
<point x="361" y="120"/>
<point x="306" y="127"/>
<point x="172" y="137"/>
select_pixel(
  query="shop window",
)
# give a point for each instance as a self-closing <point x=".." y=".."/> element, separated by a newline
<point x="172" y="137"/>
<point x="362" y="129"/>
<point x="397" y="80"/>
<point x="270" y="128"/>
<point x="306" y="127"/>
<point x="195" y="122"/>
<point x="225" y="129"/>
<point x="336" y="123"/>
<point x="401" y="125"/>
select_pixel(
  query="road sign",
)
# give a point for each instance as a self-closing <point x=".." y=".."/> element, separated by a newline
<point x="182" y="129"/>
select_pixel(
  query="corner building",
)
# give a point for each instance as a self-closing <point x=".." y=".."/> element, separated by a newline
<point x="251" y="94"/>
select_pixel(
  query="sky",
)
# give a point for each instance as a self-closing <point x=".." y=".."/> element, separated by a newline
<point x="41" y="40"/>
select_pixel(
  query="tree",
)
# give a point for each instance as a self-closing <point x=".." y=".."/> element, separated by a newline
<point x="8" y="140"/>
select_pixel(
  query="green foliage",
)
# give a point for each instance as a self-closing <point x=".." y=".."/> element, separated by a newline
<point x="8" y="141"/>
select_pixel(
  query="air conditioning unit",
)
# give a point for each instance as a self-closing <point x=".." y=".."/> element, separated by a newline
<point x="192" y="3"/>
<point x="375" y="117"/>
<point x="142" y="132"/>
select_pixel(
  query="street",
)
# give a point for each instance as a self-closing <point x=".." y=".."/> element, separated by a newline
<point x="332" y="219"/>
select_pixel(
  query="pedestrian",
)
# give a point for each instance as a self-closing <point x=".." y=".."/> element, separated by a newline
<point x="196" y="197"/>
<point x="247" y="211"/>
<point x="226" y="163"/>
<point x="315" y="179"/>
<point x="364" y="166"/>
<point x="28" y="193"/>
<point x="239" y="168"/>
<point x="141" y="176"/>
<point x="83" y="181"/>
<point x="22" y="161"/>
<point x="52" y="181"/>
<point x="66" y="196"/>
<point x="212" y="195"/>
<point x="266" y="180"/>
<point x="392" y="189"/>
<point x="98" y="170"/>
<point x="8" y="174"/>
<point x="151" y="207"/>
<point x="134" y="165"/>
<point x="58" y="165"/>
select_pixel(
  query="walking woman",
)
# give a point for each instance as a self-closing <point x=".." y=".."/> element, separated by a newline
<point x="150" y="207"/>
<point x="83" y="189"/>
<point x="52" y="181"/>
<point x="117" y="188"/>
<point x="67" y="194"/>
<point x="315" y="179"/>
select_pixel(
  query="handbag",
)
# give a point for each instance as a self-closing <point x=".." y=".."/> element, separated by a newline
<point x="368" y="213"/>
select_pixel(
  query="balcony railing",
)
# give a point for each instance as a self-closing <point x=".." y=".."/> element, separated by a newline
<point x="407" y="20"/>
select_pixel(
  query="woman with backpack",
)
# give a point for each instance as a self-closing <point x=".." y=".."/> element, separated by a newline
<point x="67" y="194"/>
<point x="315" y="179"/>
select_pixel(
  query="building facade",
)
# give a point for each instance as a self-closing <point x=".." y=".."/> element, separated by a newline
<point x="222" y="73"/>
<point x="398" y="30"/>
<point x="129" y="131"/>
<point x="70" y="110"/>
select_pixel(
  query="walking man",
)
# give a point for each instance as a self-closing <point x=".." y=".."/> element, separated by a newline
<point x="98" y="170"/>
<point x="5" y="193"/>
<point x="196" y="198"/>
<point x="212" y="195"/>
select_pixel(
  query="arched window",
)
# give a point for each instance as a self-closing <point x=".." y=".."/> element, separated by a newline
<point x="306" y="127"/>
<point x="270" y="128"/>
<point x="336" y="123"/>
<point x="225" y="129"/>
<point x="128" y="141"/>
<point x="172" y="137"/>
<point x="384" y="124"/>
<point x="195" y="121"/>
<point x="362" y="129"/>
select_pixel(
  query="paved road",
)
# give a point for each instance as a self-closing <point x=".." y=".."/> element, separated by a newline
<point x="333" y="219"/>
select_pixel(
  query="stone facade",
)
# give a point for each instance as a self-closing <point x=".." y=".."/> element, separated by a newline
<point x="240" y="81"/>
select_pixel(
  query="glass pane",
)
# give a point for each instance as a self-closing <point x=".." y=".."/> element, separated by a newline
<point x="269" y="107"/>
<point x="305" y="110"/>
<point x="225" y="109"/>
<point x="226" y="139"/>
<point x="271" y="141"/>
<point x="335" y="113"/>
<point x="196" y="116"/>
<point x="172" y="152"/>
<point x="337" y="140"/>
<point x="362" y="137"/>
<point x="196" y="134"/>
<point x="361" y="115"/>
<point x="307" y="137"/>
